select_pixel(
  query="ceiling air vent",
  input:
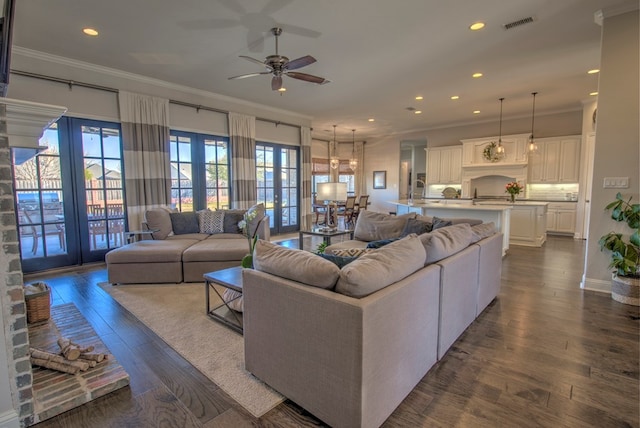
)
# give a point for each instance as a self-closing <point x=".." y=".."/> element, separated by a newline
<point x="519" y="22"/>
<point x="411" y="108"/>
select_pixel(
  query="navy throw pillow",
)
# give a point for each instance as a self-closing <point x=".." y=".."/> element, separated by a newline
<point x="381" y="242"/>
<point x="183" y="223"/>
<point x="338" y="260"/>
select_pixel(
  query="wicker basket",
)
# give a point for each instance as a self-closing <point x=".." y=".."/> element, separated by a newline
<point x="38" y="305"/>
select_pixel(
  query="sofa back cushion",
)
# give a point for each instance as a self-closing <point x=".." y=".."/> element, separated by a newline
<point x="481" y="231"/>
<point x="158" y="219"/>
<point x="446" y="241"/>
<point x="373" y="226"/>
<point x="296" y="265"/>
<point x="183" y="223"/>
<point x="380" y="268"/>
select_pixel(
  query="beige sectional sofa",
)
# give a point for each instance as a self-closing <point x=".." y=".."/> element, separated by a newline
<point x="349" y="360"/>
<point x="172" y="257"/>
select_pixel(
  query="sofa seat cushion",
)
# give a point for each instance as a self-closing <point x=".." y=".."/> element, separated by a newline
<point x="228" y="236"/>
<point x="216" y="250"/>
<point x="296" y="265"/>
<point x="192" y="236"/>
<point x="380" y="268"/>
<point x="150" y="251"/>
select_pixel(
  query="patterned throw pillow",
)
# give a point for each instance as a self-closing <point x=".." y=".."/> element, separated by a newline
<point x="351" y="252"/>
<point x="211" y="221"/>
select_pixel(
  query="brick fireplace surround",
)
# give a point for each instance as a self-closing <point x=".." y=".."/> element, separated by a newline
<point x="19" y="121"/>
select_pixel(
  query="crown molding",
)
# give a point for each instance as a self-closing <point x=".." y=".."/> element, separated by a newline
<point x="629" y="6"/>
<point x="94" y="68"/>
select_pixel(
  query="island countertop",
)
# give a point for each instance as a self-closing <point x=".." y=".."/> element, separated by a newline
<point x="449" y="204"/>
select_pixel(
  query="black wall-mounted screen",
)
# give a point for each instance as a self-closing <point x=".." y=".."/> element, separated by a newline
<point x="6" y="24"/>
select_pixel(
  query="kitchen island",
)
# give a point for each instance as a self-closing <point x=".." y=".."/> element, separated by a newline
<point x="500" y="215"/>
<point x="528" y="221"/>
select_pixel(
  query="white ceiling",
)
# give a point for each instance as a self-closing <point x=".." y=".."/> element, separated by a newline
<point x="378" y="54"/>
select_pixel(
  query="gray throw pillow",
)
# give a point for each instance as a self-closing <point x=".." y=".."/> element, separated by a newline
<point x="183" y="223"/>
<point x="231" y="220"/>
<point x="417" y="226"/>
<point x="440" y="222"/>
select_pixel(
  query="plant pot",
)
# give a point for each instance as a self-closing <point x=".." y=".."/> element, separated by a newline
<point x="625" y="290"/>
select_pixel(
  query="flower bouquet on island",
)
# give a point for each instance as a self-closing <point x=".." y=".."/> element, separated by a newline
<point x="513" y="188"/>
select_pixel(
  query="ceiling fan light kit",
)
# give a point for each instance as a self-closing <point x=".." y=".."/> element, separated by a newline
<point x="279" y="65"/>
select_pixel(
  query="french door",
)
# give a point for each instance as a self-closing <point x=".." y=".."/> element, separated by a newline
<point x="70" y="198"/>
<point x="277" y="176"/>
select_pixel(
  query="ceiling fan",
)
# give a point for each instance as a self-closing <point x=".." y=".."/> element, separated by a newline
<point x="279" y="66"/>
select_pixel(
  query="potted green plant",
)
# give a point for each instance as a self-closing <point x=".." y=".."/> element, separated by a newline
<point x="625" y="251"/>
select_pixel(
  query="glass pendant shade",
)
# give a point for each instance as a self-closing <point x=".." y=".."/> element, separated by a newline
<point x="353" y="162"/>
<point x="334" y="162"/>
<point x="532" y="147"/>
<point x="500" y="150"/>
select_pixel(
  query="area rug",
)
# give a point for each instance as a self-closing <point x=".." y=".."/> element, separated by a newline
<point x="176" y="313"/>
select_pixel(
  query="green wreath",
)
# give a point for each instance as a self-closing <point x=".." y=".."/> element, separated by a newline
<point x="490" y="153"/>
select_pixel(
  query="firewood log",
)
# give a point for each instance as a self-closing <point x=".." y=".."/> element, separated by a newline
<point x="70" y="350"/>
<point x="48" y="356"/>
<point x="61" y="367"/>
<point x="94" y="357"/>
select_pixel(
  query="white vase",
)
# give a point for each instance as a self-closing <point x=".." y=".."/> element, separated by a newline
<point x="625" y="290"/>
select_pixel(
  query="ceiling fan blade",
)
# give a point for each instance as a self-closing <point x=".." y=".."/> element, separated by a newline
<point x="300" y="31"/>
<point x="300" y="62"/>
<point x="243" y="76"/>
<point x="307" y="77"/>
<point x="274" y="6"/>
<point x="257" y="61"/>
<point x="276" y="83"/>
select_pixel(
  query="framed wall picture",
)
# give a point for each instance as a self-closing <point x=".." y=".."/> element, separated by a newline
<point x="379" y="179"/>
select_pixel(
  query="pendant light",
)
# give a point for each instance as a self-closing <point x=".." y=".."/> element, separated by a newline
<point x="334" y="162"/>
<point x="500" y="151"/>
<point x="353" y="162"/>
<point x="532" y="148"/>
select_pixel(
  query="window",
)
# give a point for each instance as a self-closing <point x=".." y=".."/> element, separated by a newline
<point x="320" y="173"/>
<point x="199" y="171"/>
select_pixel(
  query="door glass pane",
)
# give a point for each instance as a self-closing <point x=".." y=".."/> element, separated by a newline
<point x="39" y="203"/>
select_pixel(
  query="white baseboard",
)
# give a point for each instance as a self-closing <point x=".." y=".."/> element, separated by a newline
<point x="9" y="419"/>
<point x="603" y="286"/>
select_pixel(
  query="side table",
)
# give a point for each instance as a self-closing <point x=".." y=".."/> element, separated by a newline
<point x="136" y="235"/>
<point x="231" y="279"/>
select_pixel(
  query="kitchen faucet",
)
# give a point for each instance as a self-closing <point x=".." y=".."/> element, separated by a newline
<point x="424" y="188"/>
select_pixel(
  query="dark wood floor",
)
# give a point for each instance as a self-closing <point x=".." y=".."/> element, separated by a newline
<point x="544" y="354"/>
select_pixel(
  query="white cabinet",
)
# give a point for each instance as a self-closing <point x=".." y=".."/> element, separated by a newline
<point x="514" y="145"/>
<point x="557" y="160"/>
<point x="444" y="165"/>
<point x="561" y="217"/>
<point x="528" y="225"/>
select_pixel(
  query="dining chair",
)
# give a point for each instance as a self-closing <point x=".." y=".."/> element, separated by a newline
<point x="362" y="205"/>
<point x="346" y="211"/>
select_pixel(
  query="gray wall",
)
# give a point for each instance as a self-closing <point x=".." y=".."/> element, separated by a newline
<point x="617" y="152"/>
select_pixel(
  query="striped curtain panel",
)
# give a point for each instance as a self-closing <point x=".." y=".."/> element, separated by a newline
<point x="306" y="219"/>
<point x="360" y="184"/>
<point x="242" y="135"/>
<point x="145" y="139"/>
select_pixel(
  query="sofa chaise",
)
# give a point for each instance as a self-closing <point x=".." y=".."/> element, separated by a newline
<point x="184" y="246"/>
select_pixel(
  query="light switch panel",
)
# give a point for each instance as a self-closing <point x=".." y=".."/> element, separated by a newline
<point x="616" y="182"/>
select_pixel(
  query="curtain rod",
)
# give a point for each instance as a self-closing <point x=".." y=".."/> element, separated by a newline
<point x="197" y="107"/>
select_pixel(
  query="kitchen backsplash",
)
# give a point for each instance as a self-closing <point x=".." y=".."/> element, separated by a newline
<point x="567" y="192"/>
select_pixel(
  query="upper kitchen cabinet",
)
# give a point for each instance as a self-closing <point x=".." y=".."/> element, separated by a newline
<point x="473" y="151"/>
<point x="557" y="160"/>
<point x="444" y="165"/>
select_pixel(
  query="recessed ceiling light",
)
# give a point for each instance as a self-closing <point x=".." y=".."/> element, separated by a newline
<point x="455" y="97"/>
<point x="283" y="89"/>
<point x="418" y="111"/>
<point x="594" y="71"/>
<point x="476" y="75"/>
<point x="90" y="31"/>
<point x="476" y="112"/>
<point x="419" y="97"/>
<point x="476" y="26"/>
<point x="593" y="93"/>
<point x="372" y="119"/>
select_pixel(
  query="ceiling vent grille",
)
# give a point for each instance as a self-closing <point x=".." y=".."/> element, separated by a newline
<point x="411" y="108"/>
<point x="519" y="22"/>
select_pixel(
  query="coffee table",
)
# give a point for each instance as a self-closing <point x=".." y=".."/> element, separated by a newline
<point x="326" y="234"/>
<point x="231" y="279"/>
